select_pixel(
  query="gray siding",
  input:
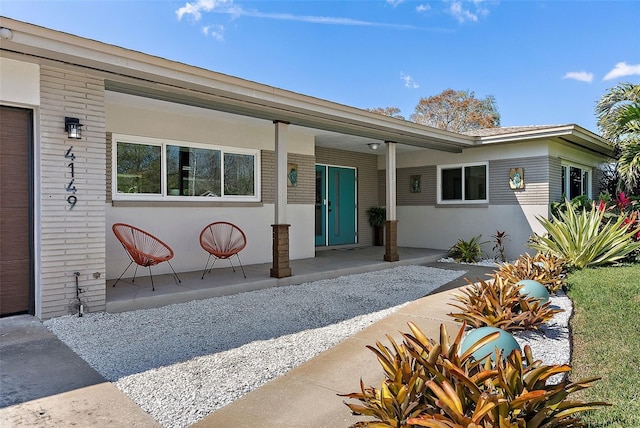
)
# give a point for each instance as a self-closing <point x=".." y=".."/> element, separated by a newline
<point x="555" y="179"/>
<point x="536" y="182"/>
<point x="596" y="179"/>
<point x="537" y="179"/>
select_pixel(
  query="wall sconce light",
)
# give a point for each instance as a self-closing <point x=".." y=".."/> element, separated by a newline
<point x="72" y="126"/>
<point x="373" y="146"/>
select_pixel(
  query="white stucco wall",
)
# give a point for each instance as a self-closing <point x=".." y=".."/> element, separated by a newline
<point x="416" y="158"/>
<point x="440" y="228"/>
<point x="180" y="226"/>
<point x="19" y="82"/>
<point x="180" y="229"/>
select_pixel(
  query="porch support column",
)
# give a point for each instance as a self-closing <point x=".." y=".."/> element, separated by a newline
<point x="280" y="247"/>
<point x="391" y="226"/>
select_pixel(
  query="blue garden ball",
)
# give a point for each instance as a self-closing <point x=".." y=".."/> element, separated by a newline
<point x="505" y="342"/>
<point x="534" y="289"/>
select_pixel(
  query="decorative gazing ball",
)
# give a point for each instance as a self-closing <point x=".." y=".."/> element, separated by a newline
<point x="505" y="342"/>
<point x="532" y="288"/>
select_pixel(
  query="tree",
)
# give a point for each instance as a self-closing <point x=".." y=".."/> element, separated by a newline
<point x="387" y="111"/>
<point x="618" y="113"/>
<point x="458" y="111"/>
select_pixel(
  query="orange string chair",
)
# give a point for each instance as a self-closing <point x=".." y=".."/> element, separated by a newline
<point x="222" y="240"/>
<point x="142" y="248"/>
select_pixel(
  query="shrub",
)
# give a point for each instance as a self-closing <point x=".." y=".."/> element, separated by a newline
<point x="578" y="203"/>
<point x="548" y="270"/>
<point x="499" y="240"/>
<point x="377" y="216"/>
<point x="585" y="239"/>
<point x="499" y="303"/>
<point x="435" y="385"/>
<point x="467" y="251"/>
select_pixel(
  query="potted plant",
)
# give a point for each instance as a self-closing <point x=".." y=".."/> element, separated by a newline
<point x="377" y="220"/>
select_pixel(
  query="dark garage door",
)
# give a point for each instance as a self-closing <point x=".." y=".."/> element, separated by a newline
<point x="15" y="211"/>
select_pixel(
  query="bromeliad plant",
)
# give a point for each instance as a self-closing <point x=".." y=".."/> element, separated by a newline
<point x="467" y="251"/>
<point x="434" y="384"/>
<point x="584" y="238"/>
<point x="548" y="270"/>
<point x="499" y="303"/>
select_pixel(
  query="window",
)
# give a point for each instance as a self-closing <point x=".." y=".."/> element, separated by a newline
<point x="576" y="181"/>
<point x="463" y="183"/>
<point x="152" y="169"/>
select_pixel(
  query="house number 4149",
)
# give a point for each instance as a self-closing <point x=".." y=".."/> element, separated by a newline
<point x="72" y="198"/>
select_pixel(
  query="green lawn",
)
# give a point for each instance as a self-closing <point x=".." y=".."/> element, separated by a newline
<point x="606" y="341"/>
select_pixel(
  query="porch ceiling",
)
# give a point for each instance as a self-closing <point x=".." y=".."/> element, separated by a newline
<point x="345" y="127"/>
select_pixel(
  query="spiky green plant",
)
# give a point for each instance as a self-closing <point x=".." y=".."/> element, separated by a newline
<point x="499" y="303"/>
<point x="467" y="251"/>
<point x="434" y="384"/>
<point x="547" y="269"/>
<point x="584" y="239"/>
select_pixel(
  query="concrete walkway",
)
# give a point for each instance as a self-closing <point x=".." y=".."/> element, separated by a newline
<point x="44" y="384"/>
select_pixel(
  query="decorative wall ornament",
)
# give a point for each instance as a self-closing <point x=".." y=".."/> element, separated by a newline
<point x="516" y="178"/>
<point x="415" y="181"/>
<point x="292" y="174"/>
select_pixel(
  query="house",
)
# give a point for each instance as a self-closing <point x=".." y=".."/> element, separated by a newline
<point x="169" y="147"/>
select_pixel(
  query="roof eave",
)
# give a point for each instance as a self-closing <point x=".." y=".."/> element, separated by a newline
<point x="572" y="134"/>
<point x="135" y="72"/>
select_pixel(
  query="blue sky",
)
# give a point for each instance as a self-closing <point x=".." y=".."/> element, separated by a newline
<point x="545" y="62"/>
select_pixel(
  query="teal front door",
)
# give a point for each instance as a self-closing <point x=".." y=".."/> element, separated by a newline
<point x="335" y="221"/>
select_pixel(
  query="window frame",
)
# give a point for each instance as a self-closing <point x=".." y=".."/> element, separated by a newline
<point x="164" y="196"/>
<point x="462" y="167"/>
<point x="565" y="170"/>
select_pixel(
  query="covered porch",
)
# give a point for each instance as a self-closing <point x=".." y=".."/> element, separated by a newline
<point x="222" y="281"/>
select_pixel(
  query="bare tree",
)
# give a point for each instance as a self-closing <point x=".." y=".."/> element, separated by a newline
<point x="458" y="111"/>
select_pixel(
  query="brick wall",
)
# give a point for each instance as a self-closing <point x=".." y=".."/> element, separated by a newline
<point x="71" y="240"/>
<point x="303" y="193"/>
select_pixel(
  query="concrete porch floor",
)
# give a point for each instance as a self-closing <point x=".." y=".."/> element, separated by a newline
<point x="328" y="263"/>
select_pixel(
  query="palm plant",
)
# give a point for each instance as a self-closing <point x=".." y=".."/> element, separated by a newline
<point x="618" y="113"/>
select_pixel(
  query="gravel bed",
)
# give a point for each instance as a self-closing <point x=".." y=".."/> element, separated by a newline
<point x="182" y="362"/>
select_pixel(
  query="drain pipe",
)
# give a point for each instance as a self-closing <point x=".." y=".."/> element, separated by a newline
<point x="78" y="291"/>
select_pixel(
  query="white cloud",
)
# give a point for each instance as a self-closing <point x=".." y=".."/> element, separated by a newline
<point x="195" y="8"/>
<point x="623" y="69"/>
<point x="408" y="81"/>
<point x="581" y="76"/>
<point x="215" y="31"/>
<point x="394" y="3"/>
<point x="228" y="7"/>
<point x="468" y="11"/>
<point x="423" y="8"/>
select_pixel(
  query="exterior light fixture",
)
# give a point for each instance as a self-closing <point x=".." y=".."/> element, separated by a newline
<point x="72" y="126"/>
<point x="373" y="146"/>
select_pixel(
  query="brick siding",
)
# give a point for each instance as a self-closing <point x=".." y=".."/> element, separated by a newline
<point x="71" y="240"/>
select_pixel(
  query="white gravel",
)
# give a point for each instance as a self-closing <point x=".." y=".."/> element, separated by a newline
<point x="182" y="362"/>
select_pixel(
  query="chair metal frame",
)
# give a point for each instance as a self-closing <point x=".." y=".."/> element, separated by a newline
<point x="222" y="240"/>
<point x="143" y="249"/>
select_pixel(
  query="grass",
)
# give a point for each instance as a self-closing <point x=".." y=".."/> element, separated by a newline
<point x="606" y="341"/>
